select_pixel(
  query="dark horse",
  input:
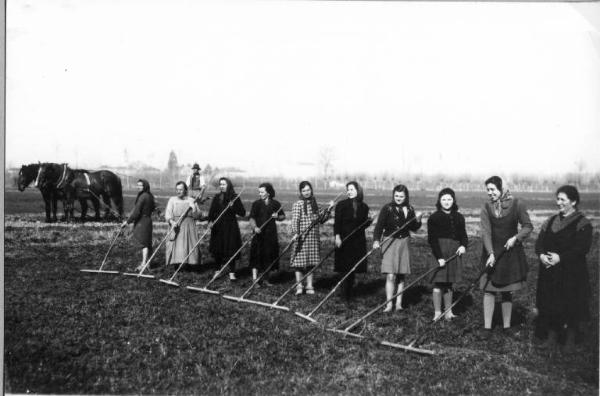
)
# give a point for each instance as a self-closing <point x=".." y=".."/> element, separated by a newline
<point x="50" y="193"/>
<point x="83" y="185"/>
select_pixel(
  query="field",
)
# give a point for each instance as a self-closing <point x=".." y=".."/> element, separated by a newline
<point x="71" y="332"/>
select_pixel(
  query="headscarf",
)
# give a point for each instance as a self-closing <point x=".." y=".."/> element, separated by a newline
<point x="311" y="199"/>
<point x="503" y="202"/>
<point x="359" y="196"/>
<point x="229" y="193"/>
<point x="146" y="190"/>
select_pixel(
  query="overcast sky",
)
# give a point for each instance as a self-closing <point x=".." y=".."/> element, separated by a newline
<point x="438" y="87"/>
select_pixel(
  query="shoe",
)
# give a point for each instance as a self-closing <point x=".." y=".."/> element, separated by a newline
<point x="388" y="308"/>
<point x="268" y="284"/>
<point x="299" y="290"/>
<point x="484" y="334"/>
<point x="449" y="316"/>
<point x="310" y="290"/>
<point x="232" y="277"/>
<point x="436" y="316"/>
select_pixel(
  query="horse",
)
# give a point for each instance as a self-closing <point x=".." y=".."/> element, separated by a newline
<point x="84" y="185"/>
<point x="50" y="193"/>
<point x="50" y="176"/>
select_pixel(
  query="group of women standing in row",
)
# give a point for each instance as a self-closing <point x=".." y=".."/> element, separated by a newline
<point x="563" y="290"/>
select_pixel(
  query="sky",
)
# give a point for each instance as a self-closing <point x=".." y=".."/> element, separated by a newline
<point x="266" y="86"/>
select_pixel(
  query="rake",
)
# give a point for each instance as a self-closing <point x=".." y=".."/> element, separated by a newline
<point x="141" y="274"/>
<point x="469" y="289"/>
<point x="311" y="313"/>
<point x="266" y="271"/>
<point x="276" y="302"/>
<point x="374" y="310"/>
<point x="205" y="289"/>
<point x="170" y="281"/>
<point x="99" y="270"/>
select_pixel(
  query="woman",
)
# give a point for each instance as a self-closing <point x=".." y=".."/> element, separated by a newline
<point x="563" y="289"/>
<point x="264" y="248"/>
<point x="225" y="237"/>
<point x="500" y="219"/>
<point x="447" y="236"/>
<point x="180" y="214"/>
<point x="396" y="220"/>
<point x="350" y="218"/>
<point x="305" y="215"/>
<point x="142" y="220"/>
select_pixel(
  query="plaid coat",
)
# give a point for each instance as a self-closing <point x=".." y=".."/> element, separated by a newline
<point x="307" y="246"/>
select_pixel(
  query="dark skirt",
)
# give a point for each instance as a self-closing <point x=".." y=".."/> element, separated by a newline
<point x="452" y="271"/>
<point x="142" y="232"/>
<point x="264" y="249"/>
<point x="350" y="253"/>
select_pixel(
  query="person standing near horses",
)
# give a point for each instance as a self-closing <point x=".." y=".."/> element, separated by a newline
<point x="183" y="237"/>
<point x="563" y="288"/>
<point x="264" y="248"/>
<point x="141" y="217"/>
<point x="195" y="182"/>
<point x="395" y="262"/>
<point x="305" y="214"/>
<point x="447" y="235"/>
<point x="225" y="237"/>
<point x="500" y="220"/>
<point x="350" y="214"/>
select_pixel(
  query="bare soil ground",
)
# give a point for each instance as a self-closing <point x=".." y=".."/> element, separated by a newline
<point x="71" y="332"/>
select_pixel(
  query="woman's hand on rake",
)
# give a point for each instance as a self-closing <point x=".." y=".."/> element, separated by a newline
<point x="490" y="261"/>
<point x="510" y="243"/>
<point x="461" y="250"/>
<point x="338" y="241"/>
<point x="442" y="262"/>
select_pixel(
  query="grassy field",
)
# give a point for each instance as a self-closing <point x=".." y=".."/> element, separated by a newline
<point x="70" y="332"/>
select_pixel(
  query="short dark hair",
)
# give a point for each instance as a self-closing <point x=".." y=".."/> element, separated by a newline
<point x="496" y="181"/>
<point x="404" y="189"/>
<point x="446" y="191"/>
<point x="268" y="188"/>
<point x="571" y="193"/>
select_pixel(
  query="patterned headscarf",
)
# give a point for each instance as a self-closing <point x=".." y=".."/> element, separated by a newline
<point x="310" y="200"/>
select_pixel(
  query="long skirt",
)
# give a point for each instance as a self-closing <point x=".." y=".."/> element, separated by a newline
<point x="180" y="247"/>
<point x="142" y="232"/>
<point x="396" y="256"/>
<point x="452" y="271"/>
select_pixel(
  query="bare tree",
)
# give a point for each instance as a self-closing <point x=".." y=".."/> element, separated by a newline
<point x="326" y="157"/>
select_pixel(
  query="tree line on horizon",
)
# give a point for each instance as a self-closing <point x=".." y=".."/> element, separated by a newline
<point x="326" y="177"/>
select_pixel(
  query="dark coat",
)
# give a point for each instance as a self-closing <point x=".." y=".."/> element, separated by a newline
<point x="563" y="290"/>
<point x="392" y="219"/>
<point x="449" y="226"/>
<point x="355" y="247"/>
<point x="225" y="237"/>
<point x="264" y="248"/>
<point x="142" y="220"/>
